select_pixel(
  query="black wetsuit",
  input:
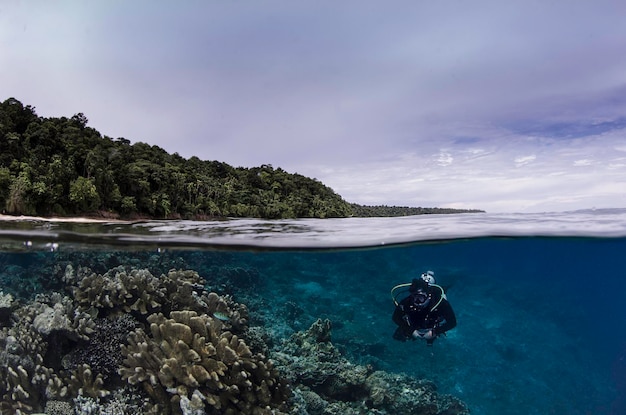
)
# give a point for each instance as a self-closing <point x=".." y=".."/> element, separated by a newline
<point x="437" y="315"/>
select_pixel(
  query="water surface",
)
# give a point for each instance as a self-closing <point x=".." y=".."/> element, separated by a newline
<point x="540" y="299"/>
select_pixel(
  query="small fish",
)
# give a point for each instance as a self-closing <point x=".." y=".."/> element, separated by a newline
<point x="221" y="316"/>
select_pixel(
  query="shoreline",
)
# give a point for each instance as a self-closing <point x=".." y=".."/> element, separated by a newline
<point x="81" y="219"/>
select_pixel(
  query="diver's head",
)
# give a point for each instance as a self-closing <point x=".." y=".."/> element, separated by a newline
<point x="418" y="284"/>
<point x="429" y="277"/>
<point x="420" y="298"/>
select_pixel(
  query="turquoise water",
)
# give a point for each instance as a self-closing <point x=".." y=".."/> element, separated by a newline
<point x="541" y="311"/>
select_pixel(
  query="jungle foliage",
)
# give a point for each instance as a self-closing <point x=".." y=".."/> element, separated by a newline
<point x="384" y="210"/>
<point x="60" y="166"/>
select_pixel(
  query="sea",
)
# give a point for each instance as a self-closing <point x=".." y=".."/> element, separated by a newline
<point x="540" y="298"/>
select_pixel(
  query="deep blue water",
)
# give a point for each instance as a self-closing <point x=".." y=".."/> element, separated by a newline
<point x="541" y="319"/>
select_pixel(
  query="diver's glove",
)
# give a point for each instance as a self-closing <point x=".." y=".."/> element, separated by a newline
<point x="427" y="334"/>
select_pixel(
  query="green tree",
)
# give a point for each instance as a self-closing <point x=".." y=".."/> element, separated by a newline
<point x="5" y="185"/>
<point x="84" y="194"/>
<point x="18" y="201"/>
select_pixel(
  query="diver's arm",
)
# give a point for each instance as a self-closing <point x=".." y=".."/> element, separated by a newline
<point x="398" y="315"/>
<point x="450" y="318"/>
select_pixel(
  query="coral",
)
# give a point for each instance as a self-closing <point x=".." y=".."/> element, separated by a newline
<point x="189" y="355"/>
<point x="185" y="291"/>
<point x="193" y="406"/>
<point x="118" y="290"/>
<point x="233" y="315"/>
<point x="85" y="383"/>
<point x="19" y="395"/>
<point x="138" y="290"/>
<point x="57" y="315"/>
<point x="56" y="387"/>
<point x="180" y="349"/>
<point x="103" y="352"/>
<point x="305" y="401"/>
<point x="311" y="359"/>
<point x="54" y="407"/>
<point x="21" y="365"/>
<point x="43" y="330"/>
<point x="6" y="304"/>
<point x="258" y="339"/>
<point x="183" y="288"/>
<point x="327" y="383"/>
<point x="121" y="401"/>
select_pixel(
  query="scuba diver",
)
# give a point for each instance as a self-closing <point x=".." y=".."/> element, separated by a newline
<point x="425" y="313"/>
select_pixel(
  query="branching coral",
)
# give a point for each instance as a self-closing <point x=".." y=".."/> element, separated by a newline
<point x="86" y="383"/>
<point x="136" y="290"/>
<point x="191" y="358"/>
<point x="42" y="331"/>
<point x="21" y="365"/>
<point x="119" y="290"/>
<point x="233" y="315"/>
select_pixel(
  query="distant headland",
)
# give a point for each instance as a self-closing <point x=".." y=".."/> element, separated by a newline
<point x="61" y="167"/>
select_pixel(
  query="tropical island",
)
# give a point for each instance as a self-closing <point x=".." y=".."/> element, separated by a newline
<point x="59" y="166"/>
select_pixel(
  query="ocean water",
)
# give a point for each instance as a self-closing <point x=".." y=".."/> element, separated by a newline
<point x="540" y="299"/>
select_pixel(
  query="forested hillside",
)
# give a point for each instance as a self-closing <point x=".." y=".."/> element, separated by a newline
<point x="62" y="167"/>
<point x="384" y="211"/>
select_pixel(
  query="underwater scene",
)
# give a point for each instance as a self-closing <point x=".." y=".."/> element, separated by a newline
<point x="294" y="317"/>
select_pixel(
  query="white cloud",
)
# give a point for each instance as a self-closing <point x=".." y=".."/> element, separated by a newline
<point x="524" y="160"/>
<point x="412" y="103"/>
<point x="444" y="158"/>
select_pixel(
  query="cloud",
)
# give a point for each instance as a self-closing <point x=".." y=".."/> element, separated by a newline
<point x="485" y="104"/>
<point x="524" y="160"/>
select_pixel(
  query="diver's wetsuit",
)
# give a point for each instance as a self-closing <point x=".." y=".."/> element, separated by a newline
<point x="410" y="317"/>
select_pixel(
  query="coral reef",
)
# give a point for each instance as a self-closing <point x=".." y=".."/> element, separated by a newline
<point x="189" y="357"/>
<point x="326" y="383"/>
<point x="57" y="348"/>
<point x="127" y="341"/>
<point x="139" y="292"/>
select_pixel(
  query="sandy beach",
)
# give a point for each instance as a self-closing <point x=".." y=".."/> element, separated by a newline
<point x="10" y="218"/>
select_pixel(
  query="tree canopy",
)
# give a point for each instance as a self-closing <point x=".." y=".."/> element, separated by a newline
<point x="60" y="166"/>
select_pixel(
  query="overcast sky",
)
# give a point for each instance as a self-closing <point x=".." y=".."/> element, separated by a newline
<point x="506" y="106"/>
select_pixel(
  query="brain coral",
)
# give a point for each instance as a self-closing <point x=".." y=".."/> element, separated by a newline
<point x="189" y="358"/>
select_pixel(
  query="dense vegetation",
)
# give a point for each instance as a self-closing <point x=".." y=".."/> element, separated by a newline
<point x="383" y="210"/>
<point x="60" y="166"/>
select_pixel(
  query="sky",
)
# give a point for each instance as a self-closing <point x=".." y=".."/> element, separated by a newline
<point x="516" y="106"/>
